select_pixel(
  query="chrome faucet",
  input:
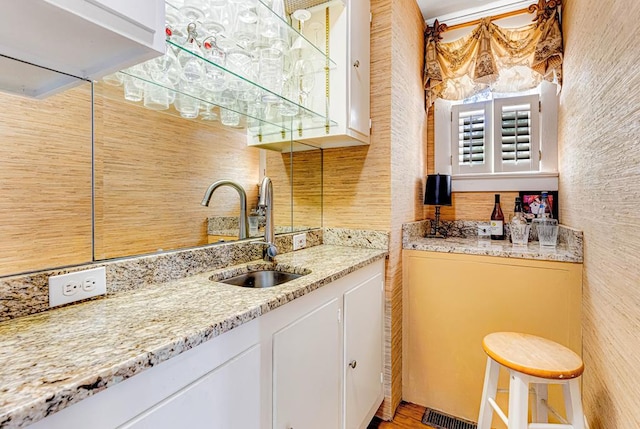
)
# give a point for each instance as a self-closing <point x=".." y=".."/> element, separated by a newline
<point x="266" y="202"/>
<point x="244" y="221"/>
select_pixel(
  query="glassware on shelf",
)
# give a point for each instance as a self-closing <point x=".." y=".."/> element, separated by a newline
<point x="133" y="88"/>
<point x="114" y="79"/>
<point x="289" y="92"/>
<point x="193" y="10"/>
<point x="215" y="78"/>
<point x="270" y="73"/>
<point x="229" y="114"/>
<point x="240" y="56"/>
<point x="305" y="75"/>
<point x="207" y="113"/>
<point x="186" y="103"/>
<point x="300" y="15"/>
<point x="192" y="66"/>
<point x="272" y="20"/>
<point x="157" y="96"/>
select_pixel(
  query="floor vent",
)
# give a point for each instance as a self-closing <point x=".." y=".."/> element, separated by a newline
<point x="440" y="420"/>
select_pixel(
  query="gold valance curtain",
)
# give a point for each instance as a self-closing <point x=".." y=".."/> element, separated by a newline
<point x="504" y="59"/>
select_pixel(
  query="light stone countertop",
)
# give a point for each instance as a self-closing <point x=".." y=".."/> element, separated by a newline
<point x="462" y="238"/>
<point x="53" y="359"/>
<point x="502" y="248"/>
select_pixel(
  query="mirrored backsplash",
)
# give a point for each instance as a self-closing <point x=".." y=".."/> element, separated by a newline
<point x="87" y="176"/>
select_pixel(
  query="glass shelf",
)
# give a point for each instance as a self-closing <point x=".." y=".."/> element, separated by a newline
<point x="247" y="115"/>
<point x="204" y="67"/>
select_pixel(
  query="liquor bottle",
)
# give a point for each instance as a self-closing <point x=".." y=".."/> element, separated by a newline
<point x="518" y="212"/>
<point x="544" y="211"/>
<point x="497" y="221"/>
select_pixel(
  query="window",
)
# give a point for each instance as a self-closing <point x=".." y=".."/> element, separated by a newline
<point x="499" y="144"/>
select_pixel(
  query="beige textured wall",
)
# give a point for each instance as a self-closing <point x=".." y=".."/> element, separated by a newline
<point x="408" y="157"/>
<point x="379" y="186"/>
<point x="45" y="181"/>
<point x="152" y="170"/>
<point x="599" y="191"/>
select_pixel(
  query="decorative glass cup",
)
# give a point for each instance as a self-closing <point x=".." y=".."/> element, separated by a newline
<point x="519" y="233"/>
<point x="547" y="231"/>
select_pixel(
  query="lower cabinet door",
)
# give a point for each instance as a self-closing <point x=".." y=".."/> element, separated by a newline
<point x="363" y="331"/>
<point x="226" y="398"/>
<point x="307" y="371"/>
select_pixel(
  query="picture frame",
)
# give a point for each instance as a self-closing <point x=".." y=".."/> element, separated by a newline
<point x="529" y="199"/>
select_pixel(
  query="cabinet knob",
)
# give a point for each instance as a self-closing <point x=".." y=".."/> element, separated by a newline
<point x="356" y="64"/>
<point x="353" y="364"/>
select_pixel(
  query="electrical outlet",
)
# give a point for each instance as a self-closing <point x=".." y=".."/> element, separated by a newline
<point x="77" y="286"/>
<point x="299" y="241"/>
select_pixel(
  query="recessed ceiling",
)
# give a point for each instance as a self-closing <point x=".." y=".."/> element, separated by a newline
<point x="432" y="9"/>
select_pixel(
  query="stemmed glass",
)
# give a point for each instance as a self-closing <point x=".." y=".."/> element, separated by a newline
<point x="304" y="72"/>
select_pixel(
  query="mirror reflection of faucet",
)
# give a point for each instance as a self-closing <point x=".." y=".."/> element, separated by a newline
<point x="244" y="232"/>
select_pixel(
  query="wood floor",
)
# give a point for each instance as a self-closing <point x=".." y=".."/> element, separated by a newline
<point x="408" y="416"/>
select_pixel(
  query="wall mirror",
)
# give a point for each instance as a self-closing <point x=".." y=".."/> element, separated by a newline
<point x="87" y="176"/>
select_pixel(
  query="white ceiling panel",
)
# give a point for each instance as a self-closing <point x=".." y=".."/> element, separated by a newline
<point x="456" y="10"/>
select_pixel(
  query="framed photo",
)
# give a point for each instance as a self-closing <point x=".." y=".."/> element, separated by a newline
<point x="531" y="202"/>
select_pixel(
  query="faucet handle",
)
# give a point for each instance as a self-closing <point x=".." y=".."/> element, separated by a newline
<point x="271" y="251"/>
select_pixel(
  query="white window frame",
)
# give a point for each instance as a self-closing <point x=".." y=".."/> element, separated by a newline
<point x="546" y="177"/>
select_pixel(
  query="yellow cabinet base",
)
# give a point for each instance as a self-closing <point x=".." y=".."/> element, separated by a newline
<point x="451" y="301"/>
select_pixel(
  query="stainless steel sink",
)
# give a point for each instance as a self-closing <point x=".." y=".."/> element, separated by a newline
<point x="261" y="279"/>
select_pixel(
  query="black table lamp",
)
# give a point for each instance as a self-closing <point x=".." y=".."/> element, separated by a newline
<point x="437" y="193"/>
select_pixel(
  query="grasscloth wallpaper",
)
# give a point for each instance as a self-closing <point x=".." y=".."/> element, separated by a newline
<point x="379" y="186"/>
<point x="599" y="190"/>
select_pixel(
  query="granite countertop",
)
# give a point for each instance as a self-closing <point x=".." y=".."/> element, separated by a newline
<point x="503" y="248"/>
<point x="47" y="366"/>
<point x="462" y="238"/>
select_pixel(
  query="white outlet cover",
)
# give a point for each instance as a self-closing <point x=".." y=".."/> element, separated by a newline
<point x="299" y="241"/>
<point x="80" y="278"/>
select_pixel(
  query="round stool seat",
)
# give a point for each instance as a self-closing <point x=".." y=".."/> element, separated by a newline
<point x="533" y="355"/>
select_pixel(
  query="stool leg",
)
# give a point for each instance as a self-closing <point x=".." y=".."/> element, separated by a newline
<point x="489" y="390"/>
<point x="518" y="401"/>
<point x="573" y="403"/>
<point x="539" y="412"/>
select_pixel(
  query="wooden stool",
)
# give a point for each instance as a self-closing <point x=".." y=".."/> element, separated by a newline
<point x="530" y="360"/>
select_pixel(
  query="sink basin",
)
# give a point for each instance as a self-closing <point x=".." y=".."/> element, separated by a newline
<point x="261" y="279"/>
<point x="259" y="275"/>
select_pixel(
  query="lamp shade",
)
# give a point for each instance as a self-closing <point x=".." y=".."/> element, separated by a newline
<point x="438" y="190"/>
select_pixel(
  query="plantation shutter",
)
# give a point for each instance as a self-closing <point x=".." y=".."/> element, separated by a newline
<point x="471" y="138"/>
<point x="516" y="125"/>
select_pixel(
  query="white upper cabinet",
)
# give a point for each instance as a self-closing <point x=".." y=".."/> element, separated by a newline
<point x="85" y="39"/>
<point x="359" y="72"/>
<point x="340" y="87"/>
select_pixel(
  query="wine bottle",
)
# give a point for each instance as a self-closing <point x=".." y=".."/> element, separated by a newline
<point x="497" y="221"/>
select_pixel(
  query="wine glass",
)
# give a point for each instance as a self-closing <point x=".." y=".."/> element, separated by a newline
<point x="305" y="74"/>
<point x="300" y="15"/>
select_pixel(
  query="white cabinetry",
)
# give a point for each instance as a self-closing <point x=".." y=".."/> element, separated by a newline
<point x="216" y="385"/>
<point x="344" y="97"/>
<point x="358" y="64"/>
<point x="306" y="371"/>
<point x="327" y="365"/>
<point x="82" y="38"/>
<point x="363" y="326"/>
<point x="226" y="398"/>
<point x="288" y="369"/>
